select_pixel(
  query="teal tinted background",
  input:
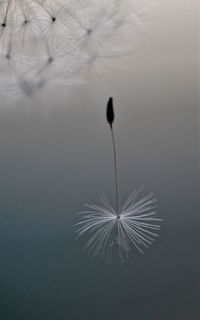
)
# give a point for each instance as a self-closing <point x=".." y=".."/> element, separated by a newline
<point x="52" y="162"/>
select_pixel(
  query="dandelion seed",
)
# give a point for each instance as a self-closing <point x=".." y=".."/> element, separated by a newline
<point x="110" y="112"/>
<point x="121" y="226"/>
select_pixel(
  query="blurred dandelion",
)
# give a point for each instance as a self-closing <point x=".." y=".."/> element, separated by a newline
<point x="41" y="39"/>
<point x="120" y="226"/>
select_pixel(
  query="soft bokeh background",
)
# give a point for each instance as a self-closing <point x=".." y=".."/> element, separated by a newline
<point x="53" y="159"/>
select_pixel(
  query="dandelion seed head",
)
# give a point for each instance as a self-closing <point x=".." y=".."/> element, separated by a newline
<point x="90" y="32"/>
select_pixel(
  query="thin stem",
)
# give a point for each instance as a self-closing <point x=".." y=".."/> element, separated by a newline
<point x="6" y="14"/>
<point x="116" y="175"/>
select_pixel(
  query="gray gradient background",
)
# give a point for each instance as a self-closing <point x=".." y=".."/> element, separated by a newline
<point x="52" y="162"/>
